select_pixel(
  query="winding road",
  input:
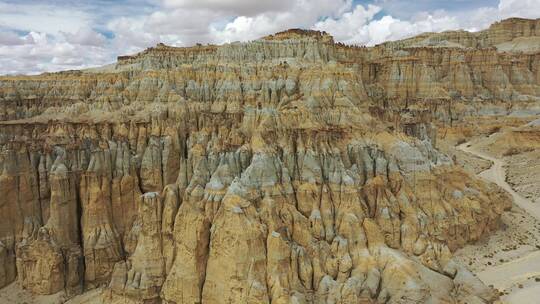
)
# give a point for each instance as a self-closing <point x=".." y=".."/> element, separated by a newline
<point x="519" y="270"/>
<point x="497" y="174"/>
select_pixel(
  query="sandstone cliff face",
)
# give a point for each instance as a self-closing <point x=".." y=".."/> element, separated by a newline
<point x="285" y="170"/>
<point x="49" y="258"/>
<point x="498" y="33"/>
<point x="228" y="77"/>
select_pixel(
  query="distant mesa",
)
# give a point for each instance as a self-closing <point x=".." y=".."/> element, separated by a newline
<point x="300" y="34"/>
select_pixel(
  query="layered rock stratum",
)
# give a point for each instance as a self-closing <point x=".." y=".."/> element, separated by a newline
<point x="289" y="169"/>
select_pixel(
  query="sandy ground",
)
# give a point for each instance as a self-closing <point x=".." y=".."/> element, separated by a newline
<point x="523" y="174"/>
<point x="470" y="162"/>
<point x="497" y="174"/>
<point x="90" y="297"/>
<point x="14" y="294"/>
<point x="510" y="259"/>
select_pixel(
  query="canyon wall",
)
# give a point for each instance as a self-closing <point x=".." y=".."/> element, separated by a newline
<point x="290" y="169"/>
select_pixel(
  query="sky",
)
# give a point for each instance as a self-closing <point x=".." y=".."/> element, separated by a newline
<point x="51" y="35"/>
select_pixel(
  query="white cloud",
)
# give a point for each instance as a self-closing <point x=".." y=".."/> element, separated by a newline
<point x="302" y="14"/>
<point x="189" y="22"/>
<point x="85" y="36"/>
<point x="47" y="18"/>
<point x="42" y="37"/>
<point x="519" y="8"/>
<point x="360" y="27"/>
<point x="351" y="26"/>
<point x="42" y="52"/>
<point x="11" y="38"/>
<point x="62" y="34"/>
<point x="234" y="7"/>
<point x="190" y="26"/>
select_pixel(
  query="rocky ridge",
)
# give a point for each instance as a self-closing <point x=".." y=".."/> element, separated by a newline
<point x="290" y="169"/>
<point x="497" y="35"/>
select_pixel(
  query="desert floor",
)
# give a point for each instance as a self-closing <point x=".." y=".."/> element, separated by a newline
<point x="509" y="260"/>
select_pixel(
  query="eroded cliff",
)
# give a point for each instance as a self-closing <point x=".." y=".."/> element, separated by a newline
<point x="289" y="169"/>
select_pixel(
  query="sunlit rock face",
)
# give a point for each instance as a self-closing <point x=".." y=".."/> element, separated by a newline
<point x="290" y="169"/>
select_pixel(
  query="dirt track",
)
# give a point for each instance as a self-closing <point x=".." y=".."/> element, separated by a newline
<point x="518" y="271"/>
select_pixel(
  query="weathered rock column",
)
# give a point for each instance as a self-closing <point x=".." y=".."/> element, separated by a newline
<point x="142" y="275"/>
<point x="101" y="242"/>
<point x="51" y="261"/>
